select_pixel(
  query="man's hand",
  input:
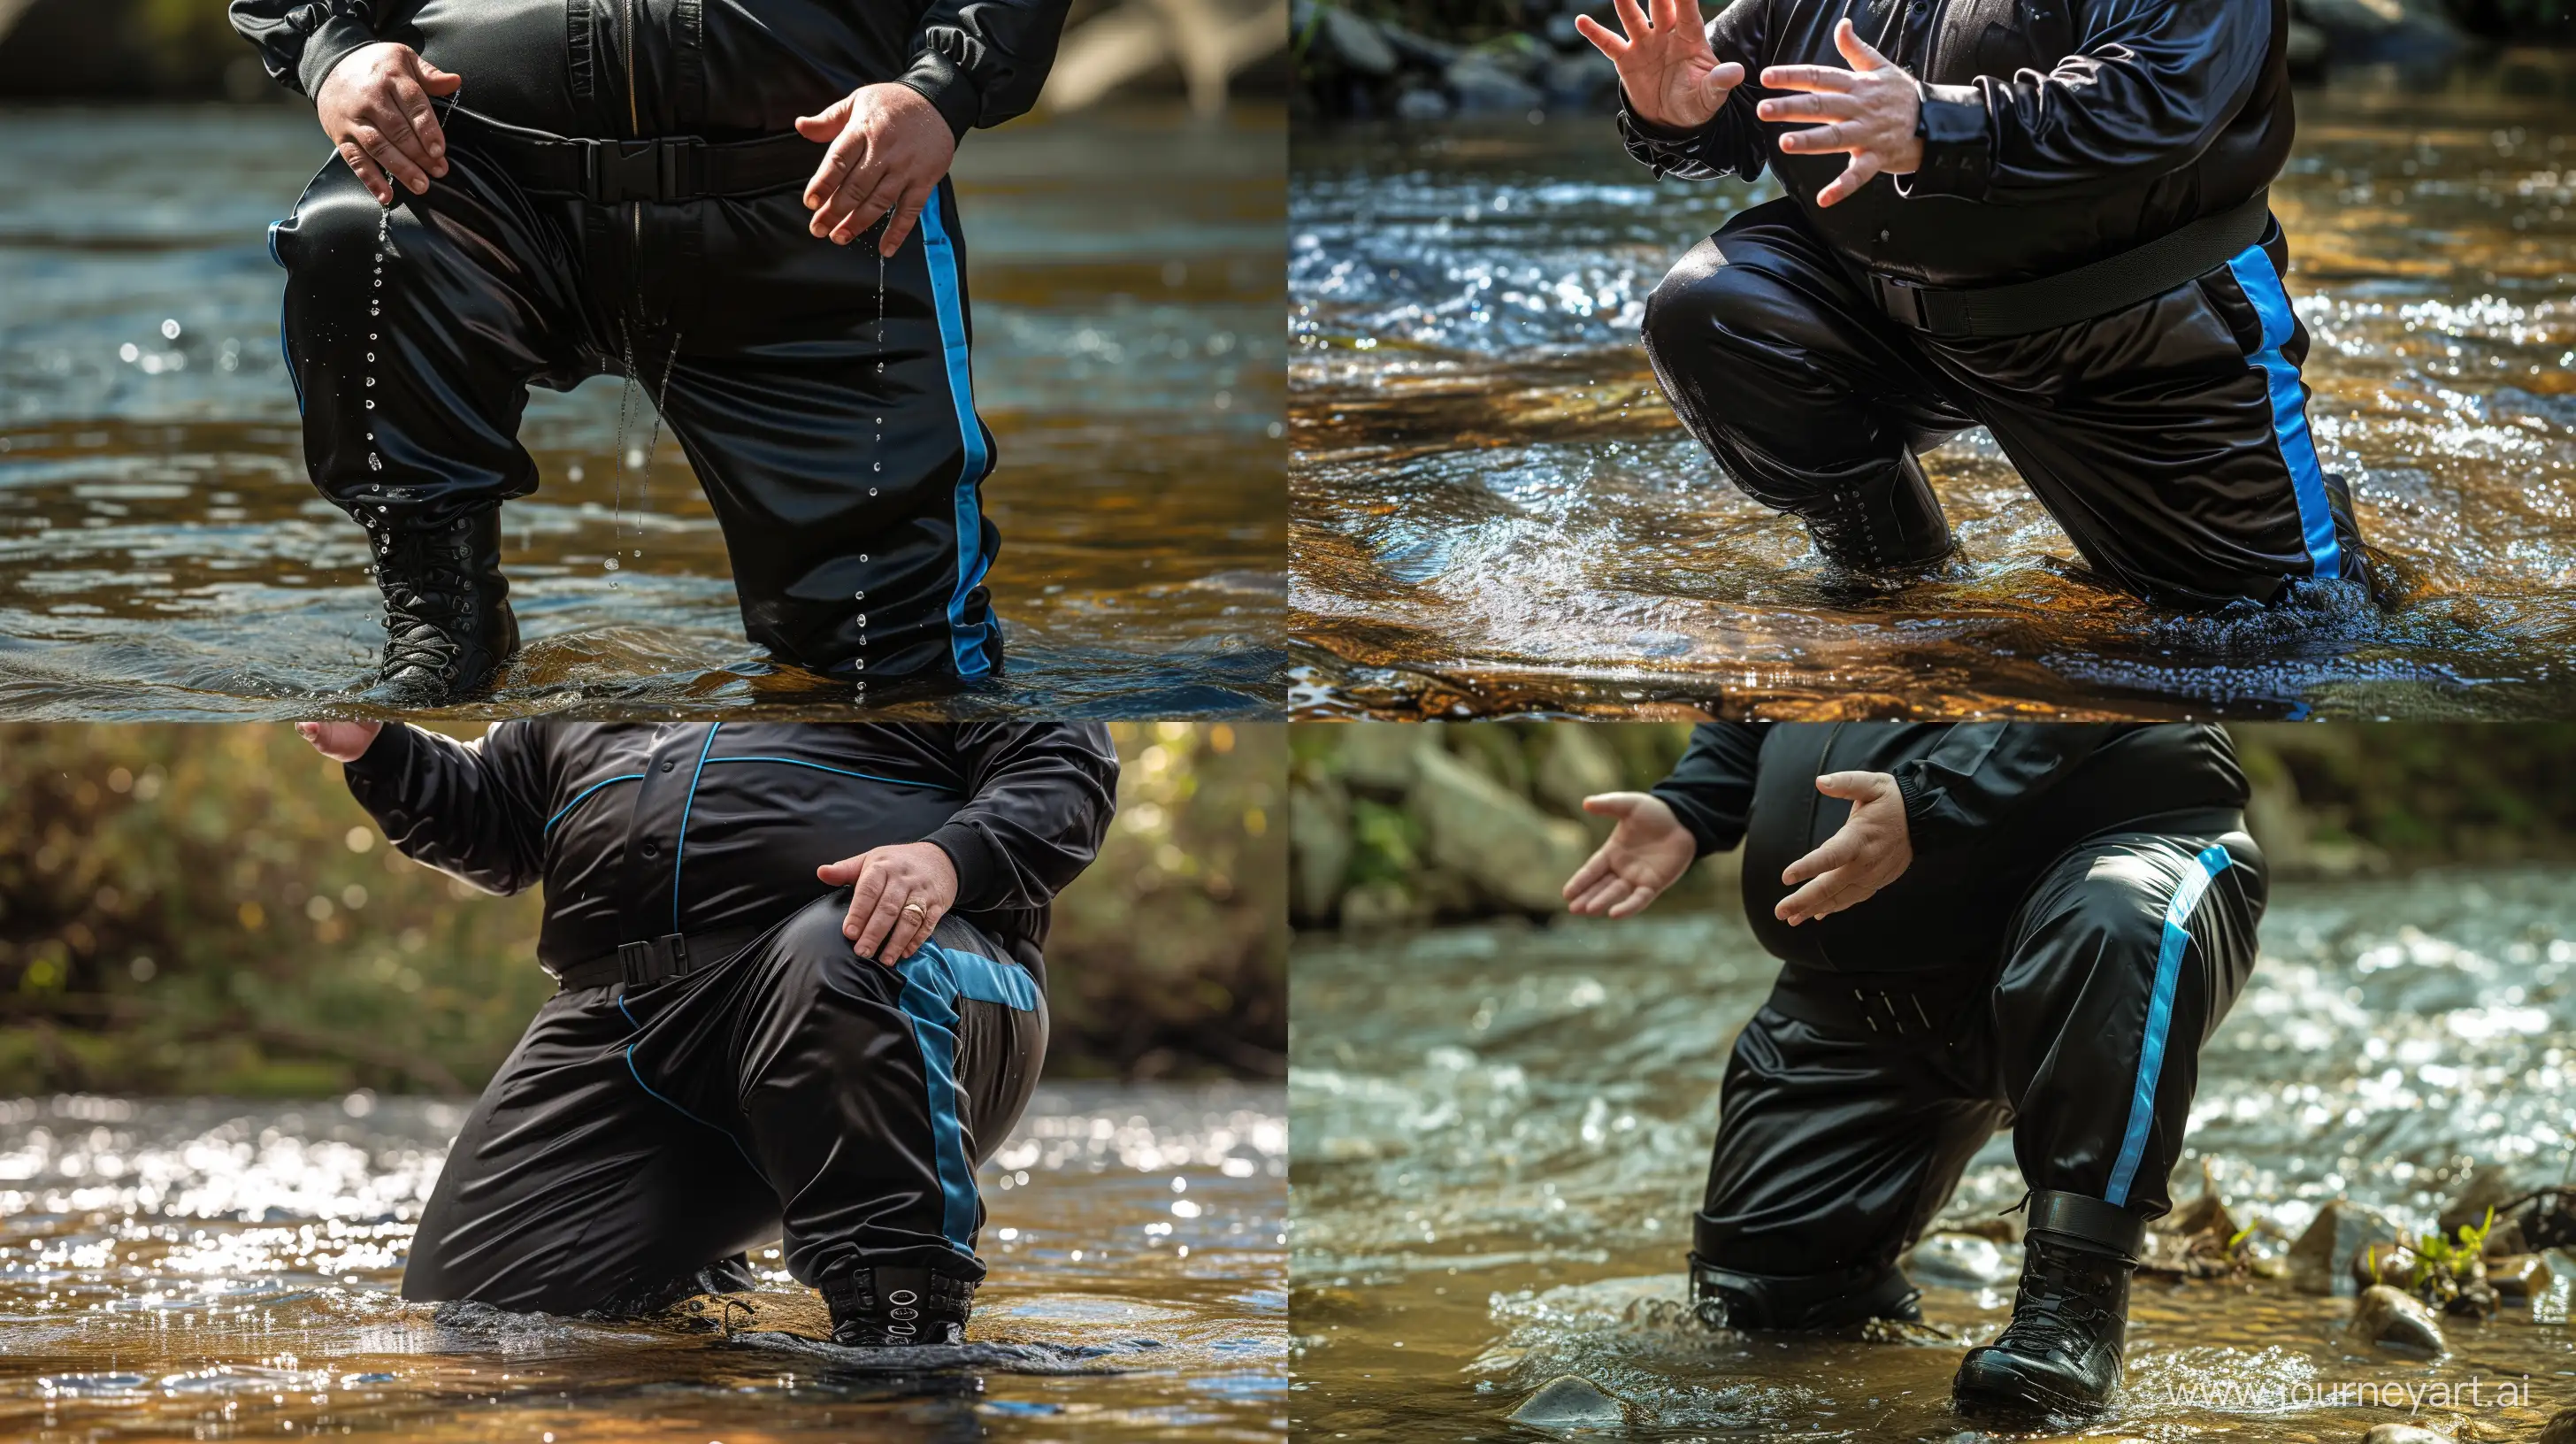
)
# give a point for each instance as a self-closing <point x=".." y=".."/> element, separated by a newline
<point x="1867" y="853"/>
<point x="1672" y="77"/>
<point x="1869" y="110"/>
<point x="375" y="106"/>
<point x="901" y="893"/>
<point x="889" y="148"/>
<point x="1646" y="853"/>
<point x="340" y="741"/>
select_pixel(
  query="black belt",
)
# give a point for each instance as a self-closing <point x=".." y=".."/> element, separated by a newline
<point x="668" y="168"/>
<point x="672" y="955"/>
<point x="2139" y="274"/>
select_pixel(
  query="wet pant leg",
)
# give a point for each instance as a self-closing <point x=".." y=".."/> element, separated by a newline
<point x="413" y="332"/>
<point x="1837" y="1144"/>
<point x="1806" y="397"/>
<point x="826" y="400"/>
<point x="2124" y="957"/>
<point x="2170" y="440"/>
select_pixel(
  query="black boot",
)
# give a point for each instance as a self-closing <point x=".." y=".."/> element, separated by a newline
<point x="448" y="628"/>
<point x="888" y="1308"/>
<point x="2060" y="1355"/>
<point x="1890" y="522"/>
<point x="1733" y="1299"/>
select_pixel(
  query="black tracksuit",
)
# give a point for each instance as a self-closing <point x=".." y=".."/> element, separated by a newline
<point x="640" y="1133"/>
<point x="2078" y="916"/>
<point x="824" y="398"/>
<point x="2169" y="439"/>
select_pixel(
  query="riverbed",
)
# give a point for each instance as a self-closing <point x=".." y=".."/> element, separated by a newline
<point x="1496" y="511"/>
<point x="207" y="1268"/>
<point x="162" y="554"/>
<point x="1501" y="1133"/>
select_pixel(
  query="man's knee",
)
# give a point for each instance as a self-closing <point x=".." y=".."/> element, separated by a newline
<point x="337" y="231"/>
<point x="1706" y="303"/>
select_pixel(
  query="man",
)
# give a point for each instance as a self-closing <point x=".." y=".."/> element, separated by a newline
<point x="802" y="994"/>
<point x="2047" y="220"/>
<point x="1980" y="925"/>
<point x="665" y="190"/>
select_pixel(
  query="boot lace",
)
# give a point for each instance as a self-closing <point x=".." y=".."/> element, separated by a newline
<point x="2056" y="1311"/>
<point x="428" y="588"/>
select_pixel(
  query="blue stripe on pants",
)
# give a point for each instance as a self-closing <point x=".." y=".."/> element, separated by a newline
<point x="933" y="980"/>
<point x="2262" y="285"/>
<point x="966" y="643"/>
<point x="2213" y="860"/>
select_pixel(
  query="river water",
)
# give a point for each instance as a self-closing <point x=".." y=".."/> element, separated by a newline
<point x="1495" y="510"/>
<point x="194" y="1269"/>
<point x="1501" y="1132"/>
<point x="162" y="555"/>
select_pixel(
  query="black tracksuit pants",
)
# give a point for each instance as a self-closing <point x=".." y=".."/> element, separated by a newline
<point x="1855" y="1099"/>
<point x="637" y="1136"/>
<point x="822" y="395"/>
<point x="2170" y="440"/>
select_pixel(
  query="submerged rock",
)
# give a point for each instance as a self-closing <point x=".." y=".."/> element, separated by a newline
<point x="2561" y="1428"/>
<point x="2387" y="1319"/>
<point x="1570" y="1401"/>
<point x="1483" y="87"/>
<point x="2321" y="1262"/>
<point x="2519" y="1278"/>
<point x="2403" y="1434"/>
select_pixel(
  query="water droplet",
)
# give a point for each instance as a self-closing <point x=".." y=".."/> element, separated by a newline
<point x="128" y="352"/>
<point x="371" y="403"/>
<point x="872" y="491"/>
<point x="169" y="330"/>
<point x="634" y="459"/>
<point x="612" y="564"/>
<point x="375" y="463"/>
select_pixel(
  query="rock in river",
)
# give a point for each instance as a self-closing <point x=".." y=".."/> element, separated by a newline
<point x="2387" y="1319"/>
<point x="1570" y="1401"/>
<point x="2561" y="1428"/>
<point x="2403" y="1434"/>
<point x="2321" y="1261"/>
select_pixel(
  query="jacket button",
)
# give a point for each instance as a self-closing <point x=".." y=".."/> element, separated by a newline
<point x="667" y="766"/>
<point x="652" y="849"/>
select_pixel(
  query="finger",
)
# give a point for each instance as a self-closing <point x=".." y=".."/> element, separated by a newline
<point x="865" y="209"/>
<point x="1721" y="81"/>
<point x="846" y="153"/>
<point x="1856" y="50"/>
<point x="828" y="123"/>
<point x="882" y="920"/>
<point x="1799" y="906"/>
<point x="439" y="82"/>
<point x="862" y="181"/>
<point x="1863" y="169"/>
<point x="864" y="896"/>
<point x="424" y="124"/>
<point x="1632" y="20"/>
<point x="1836" y="851"/>
<point x="1588" y="876"/>
<point x="906" y="211"/>
<point x="392" y="162"/>
<point x="1601" y="899"/>
<point x="1613" y="804"/>
<point x="915" y="930"/>
<point x="1840" y="135"/>
<point x="1808" y="77"/>
<point x="1664" y="15"/>
<point x="366" y="172"/>
<point x="1635" y="902"/>
<point x="840" y="874"/>
<point x="1851" y="785"/>
<point x="1601" y="38"/>
<point x="1817" y="105"/>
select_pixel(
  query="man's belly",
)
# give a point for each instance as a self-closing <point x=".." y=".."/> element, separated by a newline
<point x="643" y="67"/>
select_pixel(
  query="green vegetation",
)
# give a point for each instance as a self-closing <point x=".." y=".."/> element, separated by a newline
<point x="203" y="909"/>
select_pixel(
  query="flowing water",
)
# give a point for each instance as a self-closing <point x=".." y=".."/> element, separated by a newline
<point x="1501" y="1132"/>
<point x="194" y="1269"/>
<point x="162" y="555"/>
<point x="1495" y="510"/>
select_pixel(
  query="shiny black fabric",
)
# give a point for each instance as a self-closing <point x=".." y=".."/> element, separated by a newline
<point x="638" y="829"/>
<point x="2009" y="976"/>
<point x="2153" y="435"/>
<point x="637" y="1136"/>
<point x="2055" y="133"/>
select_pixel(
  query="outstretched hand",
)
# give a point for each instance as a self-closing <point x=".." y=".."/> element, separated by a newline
<point x="375" y="107"/>
<point x="897" y="895"/>
<point x="1672" y="77"/>
<point x="889" y="149"/>
<point x="1646" y="853"/>
<point x="1870" y="850"/>
<point x="1870" y="110"/>
<point x="342" y="742"/>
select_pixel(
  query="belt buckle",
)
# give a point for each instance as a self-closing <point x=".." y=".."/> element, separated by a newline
<point x="635" y="963"/>
<point x="621" y="170"/>
<point x="680" y="167"/>
<point x="1901" y="299"/>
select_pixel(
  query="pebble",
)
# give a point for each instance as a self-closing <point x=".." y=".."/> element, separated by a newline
<point x="2403" y="1434"/>
<point x="1570" y="1401"/>
<point x="2387" y="1319"/>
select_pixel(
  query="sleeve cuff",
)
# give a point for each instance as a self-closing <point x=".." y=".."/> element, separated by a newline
<point x="327" y="47"/>
<point x="389" y="756"/>
<point x="972" y="854"/>
<point x="1688" y="814"/>
<point x="1922" y="830"/>
<point x="1958" y="145"/>
<point x="949" y="89"/>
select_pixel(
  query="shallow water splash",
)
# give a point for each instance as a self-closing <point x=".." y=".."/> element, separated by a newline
<point x="1501" y="1133"/>
<point x="1497" y="512"/>
<point x="202" y="1268"/>
<point x="162" y="554"/>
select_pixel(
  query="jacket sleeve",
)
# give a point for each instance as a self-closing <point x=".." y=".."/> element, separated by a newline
<point x="1040" y="799"/>
<point x="981" y="62"/>
<point x="300" y="40"/>
<point x="1733" y="142"/>
<point x="473" y="810"/>
<point x="1982" y="773"/>
<point x="1711" y="788"/>
<point x="2151" y="88"/>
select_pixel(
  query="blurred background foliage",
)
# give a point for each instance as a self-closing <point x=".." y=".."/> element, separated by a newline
<point x="203" y="909"/>
<point x="1401" y="825"/>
